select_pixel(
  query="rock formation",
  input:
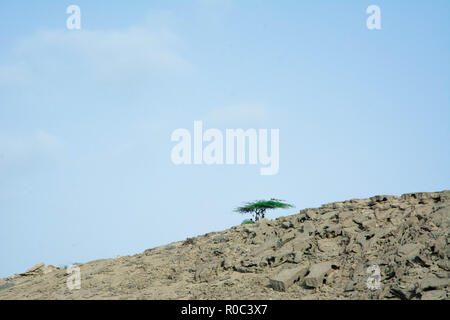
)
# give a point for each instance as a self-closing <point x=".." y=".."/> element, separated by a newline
<point x="384" y="247"/>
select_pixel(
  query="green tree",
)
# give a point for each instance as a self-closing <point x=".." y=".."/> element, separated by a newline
<point x="258" y="208"/>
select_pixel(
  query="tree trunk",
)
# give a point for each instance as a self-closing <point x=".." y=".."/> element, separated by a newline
<point x="257" y="213"/>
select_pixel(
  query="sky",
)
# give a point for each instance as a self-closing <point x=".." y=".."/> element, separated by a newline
<point x="86" y="115"/>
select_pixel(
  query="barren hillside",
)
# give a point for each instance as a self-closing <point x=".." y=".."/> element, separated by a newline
<point x="321" y="253"/>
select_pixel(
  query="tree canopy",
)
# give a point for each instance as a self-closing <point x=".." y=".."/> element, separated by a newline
<point x="259" y="207"/>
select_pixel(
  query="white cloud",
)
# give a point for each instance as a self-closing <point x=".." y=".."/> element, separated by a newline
<point x="135" y="52"/>
<point x="213" y="12"/>
<point x="19" y="149"/>
<point x="244" y="112"/>
<point x="16" y="74"/>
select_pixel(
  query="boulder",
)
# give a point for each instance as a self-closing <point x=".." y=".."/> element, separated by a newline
<point x="285" y="278"/>
<point x="300" y="244"/>
<point x="206" y="272"/>
<point x="329" y="246"/>
<point x="409" y="251"/>
<point x="433" y="283"/>
<point x="328" y="215"/>
<point x="36" y="269"/>
<point x="317" y="273"/>
<point x="308" y="228"/>
<point x="49" y="269"/>
<point x="434" y="295"/>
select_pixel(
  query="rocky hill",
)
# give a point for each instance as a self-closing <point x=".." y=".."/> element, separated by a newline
<point x="384" y="247"/>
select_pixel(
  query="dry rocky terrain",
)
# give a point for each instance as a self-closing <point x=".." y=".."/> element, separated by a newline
<point x="321" y="253"/>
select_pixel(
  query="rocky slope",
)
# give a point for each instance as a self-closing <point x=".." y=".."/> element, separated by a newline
<point x="321" y="253"/>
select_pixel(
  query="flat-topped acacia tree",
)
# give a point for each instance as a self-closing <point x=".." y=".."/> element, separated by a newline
<point x="259" y="207"/>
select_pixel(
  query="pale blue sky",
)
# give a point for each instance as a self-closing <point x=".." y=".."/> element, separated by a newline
<point x="86" y="115"/>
